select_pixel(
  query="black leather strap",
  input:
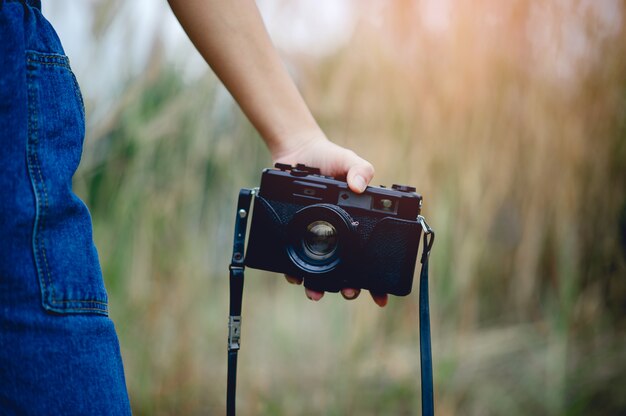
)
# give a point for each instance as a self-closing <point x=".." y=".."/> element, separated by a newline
<point x="426" y="361"/>
<point x="236" y="295"/>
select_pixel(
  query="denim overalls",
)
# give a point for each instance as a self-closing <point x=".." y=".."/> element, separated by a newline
<point x="59" y="352"/>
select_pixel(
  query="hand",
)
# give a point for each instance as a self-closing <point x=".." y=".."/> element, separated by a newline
<point x="333" y="160"/>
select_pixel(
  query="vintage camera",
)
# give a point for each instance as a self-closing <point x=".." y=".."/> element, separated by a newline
<point x="312" y="226"/>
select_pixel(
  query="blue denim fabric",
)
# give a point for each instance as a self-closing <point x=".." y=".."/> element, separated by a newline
<point x="59" y="353"/>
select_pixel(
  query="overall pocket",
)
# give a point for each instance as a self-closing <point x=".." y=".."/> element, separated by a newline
<point x="65" y="256"/>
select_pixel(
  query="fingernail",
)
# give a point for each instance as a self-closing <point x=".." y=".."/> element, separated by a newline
<point x="359" y="182"/>
<point x="381" y="301"/>
<point x="314" y="296"/>
<point x="294" y="280"/>
<point x="349" y="293"/>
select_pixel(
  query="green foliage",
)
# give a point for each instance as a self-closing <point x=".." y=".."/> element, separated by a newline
<point x="524" y="180"/>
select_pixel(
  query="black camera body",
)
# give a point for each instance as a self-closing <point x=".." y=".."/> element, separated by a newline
<point x="312" y="226"/>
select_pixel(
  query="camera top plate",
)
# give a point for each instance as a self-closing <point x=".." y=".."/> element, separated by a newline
<point x="305" y="185"/>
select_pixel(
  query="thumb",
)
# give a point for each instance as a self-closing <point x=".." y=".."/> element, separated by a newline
<point x="360" y="173"/>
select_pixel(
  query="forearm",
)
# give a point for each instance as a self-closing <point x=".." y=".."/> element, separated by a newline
<point x="232" y="38"/>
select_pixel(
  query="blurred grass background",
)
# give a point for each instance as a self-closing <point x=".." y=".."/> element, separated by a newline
<point x="509" y="118"/>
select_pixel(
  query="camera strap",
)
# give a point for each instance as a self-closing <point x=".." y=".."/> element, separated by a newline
<point x="426" y="360"/>
<point x="237" y="268"/>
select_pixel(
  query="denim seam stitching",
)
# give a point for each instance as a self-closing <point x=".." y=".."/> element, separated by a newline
<point x="59" y="64"/>
<point x="32" y="157"/>
<point x="61" y="61"/>
<point x="39" y="225"/>
<point x="39" y="220"/>
<point x="47" y="58"/>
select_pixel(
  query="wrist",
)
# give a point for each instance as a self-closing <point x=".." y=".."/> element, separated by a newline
<point x="288" y="143"/>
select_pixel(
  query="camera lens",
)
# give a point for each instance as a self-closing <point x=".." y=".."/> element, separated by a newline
<point x="320" y="240"/>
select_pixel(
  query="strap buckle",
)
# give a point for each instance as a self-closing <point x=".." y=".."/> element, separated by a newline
<point x="429" y="238"/>
<point x="424" y="224"/>
<point x="234" y="332"/>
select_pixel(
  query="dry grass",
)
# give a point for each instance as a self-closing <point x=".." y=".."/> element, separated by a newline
<point x="520" y="152"/>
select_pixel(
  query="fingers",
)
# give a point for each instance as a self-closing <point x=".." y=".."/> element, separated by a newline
<point x="294" y="280"/>
<point x="360" y="173"/>
<point x="312" y="294"/>
<point x="380" y="299"/>
<point x="349" y="293"/>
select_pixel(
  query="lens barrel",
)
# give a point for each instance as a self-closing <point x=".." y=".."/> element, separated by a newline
<point x="318" y="238"/>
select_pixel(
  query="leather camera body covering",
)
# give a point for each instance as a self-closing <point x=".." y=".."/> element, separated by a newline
<point x="312" y="226"/>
